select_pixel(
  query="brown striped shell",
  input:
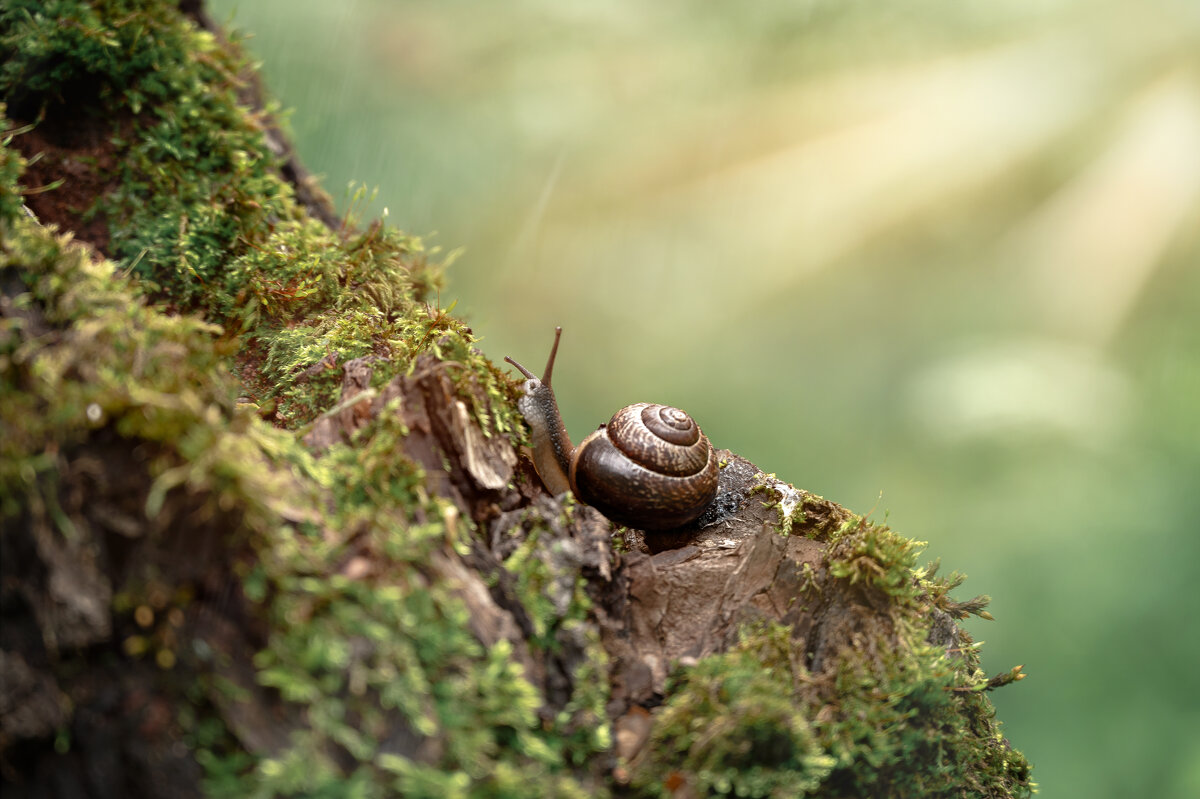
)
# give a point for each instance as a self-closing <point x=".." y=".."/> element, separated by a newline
<point x="650" y="467"/>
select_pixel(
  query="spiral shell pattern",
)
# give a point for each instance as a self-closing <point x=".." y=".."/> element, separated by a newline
<point x="650" y="467"/>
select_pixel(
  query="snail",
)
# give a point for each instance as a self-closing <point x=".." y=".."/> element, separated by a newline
<point x="650" y="467"/>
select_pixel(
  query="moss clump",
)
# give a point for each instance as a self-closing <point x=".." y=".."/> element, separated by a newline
<point x="196" y="206"/>
<point x="370" y="658"/>
<point x="380" y="649"/>
<point x="878" y="558"/>
<point x="193" y="170"/>
<point x="882" y="709"/>
<point x="728" y="729"/>
<point x="376" y="661"/>
<point x="801" y="512"/>
<point x="114" y="362"/>
<point x="201" y="221"/>
<point x="919" y="727"/>
<point x="548" y="583"/>
<point x="374" y="657"/>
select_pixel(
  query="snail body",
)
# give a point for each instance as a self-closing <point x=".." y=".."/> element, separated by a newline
<point x="650" y="467"/>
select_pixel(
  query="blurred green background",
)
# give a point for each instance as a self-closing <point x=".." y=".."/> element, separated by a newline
<point x="938" y="259"/>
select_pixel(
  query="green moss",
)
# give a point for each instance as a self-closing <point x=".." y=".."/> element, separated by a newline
<point x="754" y="722"/>
<point x="199" y="212"/>
<point x="766" y="486"/>
<point x="364" y="657"/>
<point x="582" y="725"/>
<point x="43" y="58"/>
<point x="877" y="557"/>
<point x="544" y="590"/>
<point x="920" y="724"/>
<point x="727" y="725"/>
<point x="392" y="651"/>
<point x="11" y="167"/>
<point x="888" y="713"/>
<point x="550" y="587"/>
<point x="193" y="169"/>
<point x="303" y="361"/>
<point x="118" y="363"/>
<point x="801" y="512"/>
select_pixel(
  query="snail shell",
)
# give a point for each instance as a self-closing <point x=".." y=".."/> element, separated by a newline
<point x="650" y="467"/>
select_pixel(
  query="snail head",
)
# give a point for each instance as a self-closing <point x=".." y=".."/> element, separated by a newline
<point x="532" y="383"/>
